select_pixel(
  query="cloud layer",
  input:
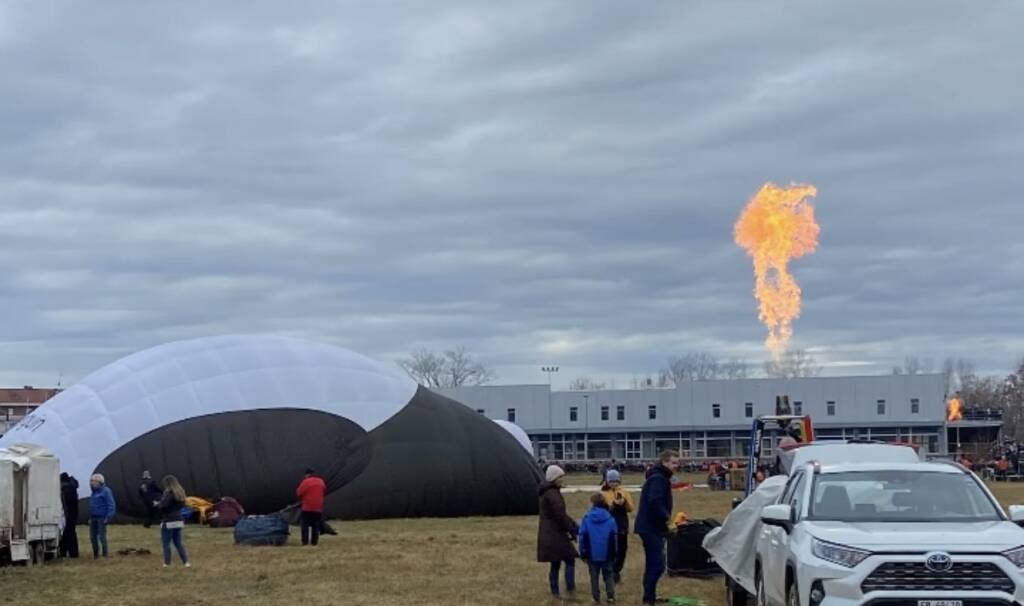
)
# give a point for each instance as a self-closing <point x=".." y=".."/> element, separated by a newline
<point x="542" y="182"/>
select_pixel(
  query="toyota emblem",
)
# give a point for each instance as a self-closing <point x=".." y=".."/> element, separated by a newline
<point x="938" y="562"/>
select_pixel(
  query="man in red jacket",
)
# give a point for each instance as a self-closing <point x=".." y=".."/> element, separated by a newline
<point x="311" y="493"/>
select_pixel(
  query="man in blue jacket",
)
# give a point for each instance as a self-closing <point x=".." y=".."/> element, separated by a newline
<point x="101" y="511"/>
<point x="652" y="520"/>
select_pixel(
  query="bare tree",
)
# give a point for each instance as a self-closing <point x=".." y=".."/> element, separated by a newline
<point x="451" y="368"/>
<point x="734" y="368"/>
<point x="700" y="366"/>
<point x="794" y="363"/>
<point x="913" y="365"/>
<point x="662" y="381"/>
<point x="957" y="372"/>
<point x="586" y="384"/>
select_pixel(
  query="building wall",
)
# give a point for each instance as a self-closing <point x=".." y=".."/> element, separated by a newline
<point x="690" y="405"/>
<point x="688" y="410"/>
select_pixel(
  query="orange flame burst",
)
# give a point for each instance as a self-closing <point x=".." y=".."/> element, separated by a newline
<point x="954" y="410"/>
<point x="776" y="227"/>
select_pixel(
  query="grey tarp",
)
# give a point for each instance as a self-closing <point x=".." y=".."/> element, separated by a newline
<point x="733" y="545"/>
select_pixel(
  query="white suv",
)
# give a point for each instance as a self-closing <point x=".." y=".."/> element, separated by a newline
<point x="888" y="534"/>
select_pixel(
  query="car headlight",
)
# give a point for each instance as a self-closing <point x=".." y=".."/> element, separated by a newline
<point x="839" y="554"/>
<point x="1016" y="556"/>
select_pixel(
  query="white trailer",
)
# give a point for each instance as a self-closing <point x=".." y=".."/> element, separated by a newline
<point x="31" y="512"/>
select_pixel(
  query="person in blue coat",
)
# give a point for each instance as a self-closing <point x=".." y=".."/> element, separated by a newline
<point x="598" y="537"/>
<point x="652" y="520"/>
<point x="101" y="511"/>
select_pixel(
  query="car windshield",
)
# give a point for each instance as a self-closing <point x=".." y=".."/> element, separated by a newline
<point x="900" y="496"/>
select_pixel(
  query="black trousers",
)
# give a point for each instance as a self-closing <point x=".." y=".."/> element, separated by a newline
<point x="69" y="540"/>
<point x="310" y="523"/>
<point x="620" y="552"/>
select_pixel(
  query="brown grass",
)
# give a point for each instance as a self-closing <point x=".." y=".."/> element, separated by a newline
<point x="446" y="562"/>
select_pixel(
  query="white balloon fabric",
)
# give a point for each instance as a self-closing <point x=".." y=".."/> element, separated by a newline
<point x="188" y="379"/>
<point x="518" y="433"/>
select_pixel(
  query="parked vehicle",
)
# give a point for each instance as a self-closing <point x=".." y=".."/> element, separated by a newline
<point x="31" y="513"/>
<point x="734" y="545"/>
<point x="852" y="534"/>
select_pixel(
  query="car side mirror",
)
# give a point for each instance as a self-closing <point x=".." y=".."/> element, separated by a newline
<point x="1017" y="514"/>
<point x="780" y="516"/>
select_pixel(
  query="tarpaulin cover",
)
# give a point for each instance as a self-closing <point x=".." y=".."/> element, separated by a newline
<point x="262" y="530"/>
<point x="734" y="544"/>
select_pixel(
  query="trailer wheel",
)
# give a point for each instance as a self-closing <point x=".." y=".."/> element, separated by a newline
<point x="38" y="553"/>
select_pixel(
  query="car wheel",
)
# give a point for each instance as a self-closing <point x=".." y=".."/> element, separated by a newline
<point x="793" y="594"/>
<point x="734" y="594"/>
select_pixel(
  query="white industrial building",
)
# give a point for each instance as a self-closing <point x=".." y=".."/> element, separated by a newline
<point x="712" y="419"/>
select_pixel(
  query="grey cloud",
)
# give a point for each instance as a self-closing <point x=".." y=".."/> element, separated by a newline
<point x="543" y="183"/>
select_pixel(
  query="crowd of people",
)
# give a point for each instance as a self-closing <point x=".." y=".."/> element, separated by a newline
<point x="601" y="537"/>
<point x="164" y="504"/>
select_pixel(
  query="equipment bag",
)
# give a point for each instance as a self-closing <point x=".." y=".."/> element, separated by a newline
<point x="686" y="554"/>
<point x="262" y="530"/>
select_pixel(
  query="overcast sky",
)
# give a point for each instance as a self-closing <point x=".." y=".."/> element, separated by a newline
<point x="541" y="182"/>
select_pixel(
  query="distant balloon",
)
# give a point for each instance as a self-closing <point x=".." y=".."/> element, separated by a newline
<point x="244" y="416"/>
<point x="517" y="433"/>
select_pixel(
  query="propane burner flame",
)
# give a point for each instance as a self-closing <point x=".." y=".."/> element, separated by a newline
<point x="776" y="227"/>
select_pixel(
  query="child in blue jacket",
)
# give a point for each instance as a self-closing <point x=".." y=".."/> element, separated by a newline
<point x="598" y="545"/>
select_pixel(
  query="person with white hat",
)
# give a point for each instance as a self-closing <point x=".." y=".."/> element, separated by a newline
<point x="556" y="532"/>
<point x="101" y="511"/>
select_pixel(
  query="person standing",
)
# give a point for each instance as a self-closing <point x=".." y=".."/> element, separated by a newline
<point x="620" y="504"/>
<point x="69" y="498"/>
<point x="598" y="535"/>
<point x="171" y="524"/>
<point x="652" y="520"/>
<point x="101" y="511"/>
<point x="311" y="493"/>
<point x="150" y="494"/>
<point x="556" y="532"/>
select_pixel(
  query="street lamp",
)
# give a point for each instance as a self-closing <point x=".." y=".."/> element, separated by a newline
<point x="586" y="426"/>
<point x="550" y="370"/>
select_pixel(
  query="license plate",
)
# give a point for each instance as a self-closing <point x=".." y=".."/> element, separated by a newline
<point x="940" y="603"/>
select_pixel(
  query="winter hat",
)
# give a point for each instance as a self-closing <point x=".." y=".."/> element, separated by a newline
<point x="553" y="473"/>
<point x="98" y="477"/>
<point x="146" y="475"/>
<point x="612" y="476"/>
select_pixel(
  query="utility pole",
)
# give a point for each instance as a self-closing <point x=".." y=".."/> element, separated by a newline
<point x="550" y="370"/>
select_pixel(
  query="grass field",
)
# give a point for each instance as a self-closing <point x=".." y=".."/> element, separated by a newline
<point x="445" y="562"/>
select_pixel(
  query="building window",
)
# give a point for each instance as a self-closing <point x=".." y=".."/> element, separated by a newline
<point x="915" y="406"/>
<point x="830" y="408"/>
<point x="798" y="408"/>
<point x="652" y="412"/>
<point x="574" y="414"/>
<point x="480" y="410"/>
<point x="620" y="413"/>
<point x="881" y="407"/>
<point x="604" y="413"/>
<point x="511" y="415"/>
<point x="748" y="410"/>
<point x="716" y="411"/>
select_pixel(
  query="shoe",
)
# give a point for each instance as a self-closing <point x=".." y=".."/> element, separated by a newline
<point x="188" y="564"/>
<point x="611" y="600"/>
<point x="167" y="565"/>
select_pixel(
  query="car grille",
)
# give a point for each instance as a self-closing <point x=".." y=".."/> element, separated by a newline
<point x="914" y="576"/>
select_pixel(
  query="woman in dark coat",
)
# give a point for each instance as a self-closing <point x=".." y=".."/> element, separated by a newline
<point x="556" y="532"/>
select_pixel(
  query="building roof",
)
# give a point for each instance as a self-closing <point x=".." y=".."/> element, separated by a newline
<point x="26" y="395"/>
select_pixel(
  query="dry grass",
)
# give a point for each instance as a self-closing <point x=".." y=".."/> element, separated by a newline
<point x="430" y="561"/>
